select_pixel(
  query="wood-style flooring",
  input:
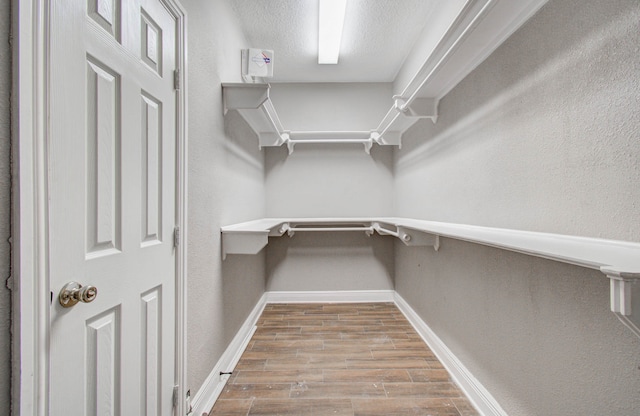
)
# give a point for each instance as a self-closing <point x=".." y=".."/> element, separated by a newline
<point x="339" y="359"/>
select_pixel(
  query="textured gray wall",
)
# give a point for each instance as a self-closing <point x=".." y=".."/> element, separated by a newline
<point x="226" y="185"/>
<point x="330" y="261"/>
<point x="537" y="334"/>
<point x="542" y="136"/>
<point x="5" y="206"/>
<point x="329" y="181"/>
<point x="321" y="106"/>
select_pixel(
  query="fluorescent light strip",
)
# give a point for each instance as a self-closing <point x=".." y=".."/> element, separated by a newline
<point x="331" y="21"/>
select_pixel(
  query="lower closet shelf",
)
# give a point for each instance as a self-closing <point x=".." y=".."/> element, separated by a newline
<point x="617" y="260"/>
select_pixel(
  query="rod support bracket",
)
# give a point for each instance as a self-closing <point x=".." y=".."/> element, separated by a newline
<point x="623" y="286"/>
<point x="412" y="237"/>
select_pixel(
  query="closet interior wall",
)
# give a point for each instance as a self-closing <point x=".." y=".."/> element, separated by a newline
<point x="543" y="136"/>
<point x="226" y="185"/>
<point x="330" y="180"/>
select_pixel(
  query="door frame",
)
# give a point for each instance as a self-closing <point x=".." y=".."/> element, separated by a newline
<point x="31" y="295"/>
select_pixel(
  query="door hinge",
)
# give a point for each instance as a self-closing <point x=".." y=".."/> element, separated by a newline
<point x="176" y="79"/>
<point x="175" y="395"/>
<point x="189" y="407"/>
<point x="176" y="236"/>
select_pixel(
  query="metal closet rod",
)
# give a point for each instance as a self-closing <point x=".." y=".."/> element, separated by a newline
<point x="291" y="230"/>
<point x="312" y="229"/>
<point x="302" y="137"/>
<point x="369" y="230"/>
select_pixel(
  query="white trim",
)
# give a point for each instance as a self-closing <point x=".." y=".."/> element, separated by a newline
<point x="208" y="393"/>
<point x="339" y="296"/>
<point x="29" y="258"/>
<point x="472" y="388"/>
<point x="178" y="12"/>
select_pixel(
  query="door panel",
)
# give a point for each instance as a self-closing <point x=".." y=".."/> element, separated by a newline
<point x="107" y="14"/>
<point x="112" y="210"/>
<point x="151" y="136"/>
<point x="103" y="363"/>
<point x="103" y="160"/>
<point x="151" y="349"/>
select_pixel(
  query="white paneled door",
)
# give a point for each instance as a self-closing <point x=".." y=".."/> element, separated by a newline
<point x="112" y="207"/>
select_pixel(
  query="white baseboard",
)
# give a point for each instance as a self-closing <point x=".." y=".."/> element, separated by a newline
<point x="338" y="296"/>
<point x="475" y="392"/>
<point x="208" y="393"/>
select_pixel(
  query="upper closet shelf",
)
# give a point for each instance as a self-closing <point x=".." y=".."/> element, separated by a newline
<point x="478" y="29"/>
<point x="617" y="260"/>
<point x="254" y="105"/>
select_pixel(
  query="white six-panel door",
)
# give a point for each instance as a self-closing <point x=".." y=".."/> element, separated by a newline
<point x="112" y="206"/>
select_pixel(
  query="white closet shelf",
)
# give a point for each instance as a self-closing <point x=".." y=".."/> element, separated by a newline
<point x="251" y="237"/>
<point x="253" y="103"/>
<point x="479" y="28"/>
<point x="617" y="260"/>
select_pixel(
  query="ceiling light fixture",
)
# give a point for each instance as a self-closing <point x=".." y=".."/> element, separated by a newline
<point x="331" y="21"/>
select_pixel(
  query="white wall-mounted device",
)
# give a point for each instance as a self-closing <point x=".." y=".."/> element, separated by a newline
<point x="257" y="63"/>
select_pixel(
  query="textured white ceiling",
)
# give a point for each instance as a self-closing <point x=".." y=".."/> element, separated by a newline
<point x="378" y="35"/>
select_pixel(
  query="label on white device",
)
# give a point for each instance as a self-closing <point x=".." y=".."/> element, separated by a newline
<point x="260" y="63"/>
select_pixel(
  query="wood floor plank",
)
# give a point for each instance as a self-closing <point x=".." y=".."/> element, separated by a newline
<point x="255" y="365"/>
<point x="321" y="336"/>
<point x="399" y="353"/>
<point x="304" y="363"/>
<point x="315" y="407"/>
<point x="404" y="363"/>
<point x="337" y="390"/>
<point x="367" y="376"/>
<point x="425" y="376"/>
<point x="231" y="407"/>
<point x="283" y="376"/>
<point x="464" y="406"/>
<point x="427" y="390"/>
<point x="288" y="345"/>
<point x="404" y="407"/>
<point x="251" y="391"/>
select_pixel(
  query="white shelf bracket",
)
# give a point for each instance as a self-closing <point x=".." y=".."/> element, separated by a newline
<point x="290" y="146"/>
<point x="280" y="230"/>
<point x="418" y="238"/>
<point x="399" y="103"/>
<point x="410" y="237"/>
<point x="420" y="107"/>
<point x="244" y="243"/>
<point x="384" y="231"/>
<point x="367" y="146"/>
<point x="285" y="229"/>
<point x="389" y="139"/>
<point x="622" y="289"/>
<point x="271" y="139"/>
<point x="620" y="295"/>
